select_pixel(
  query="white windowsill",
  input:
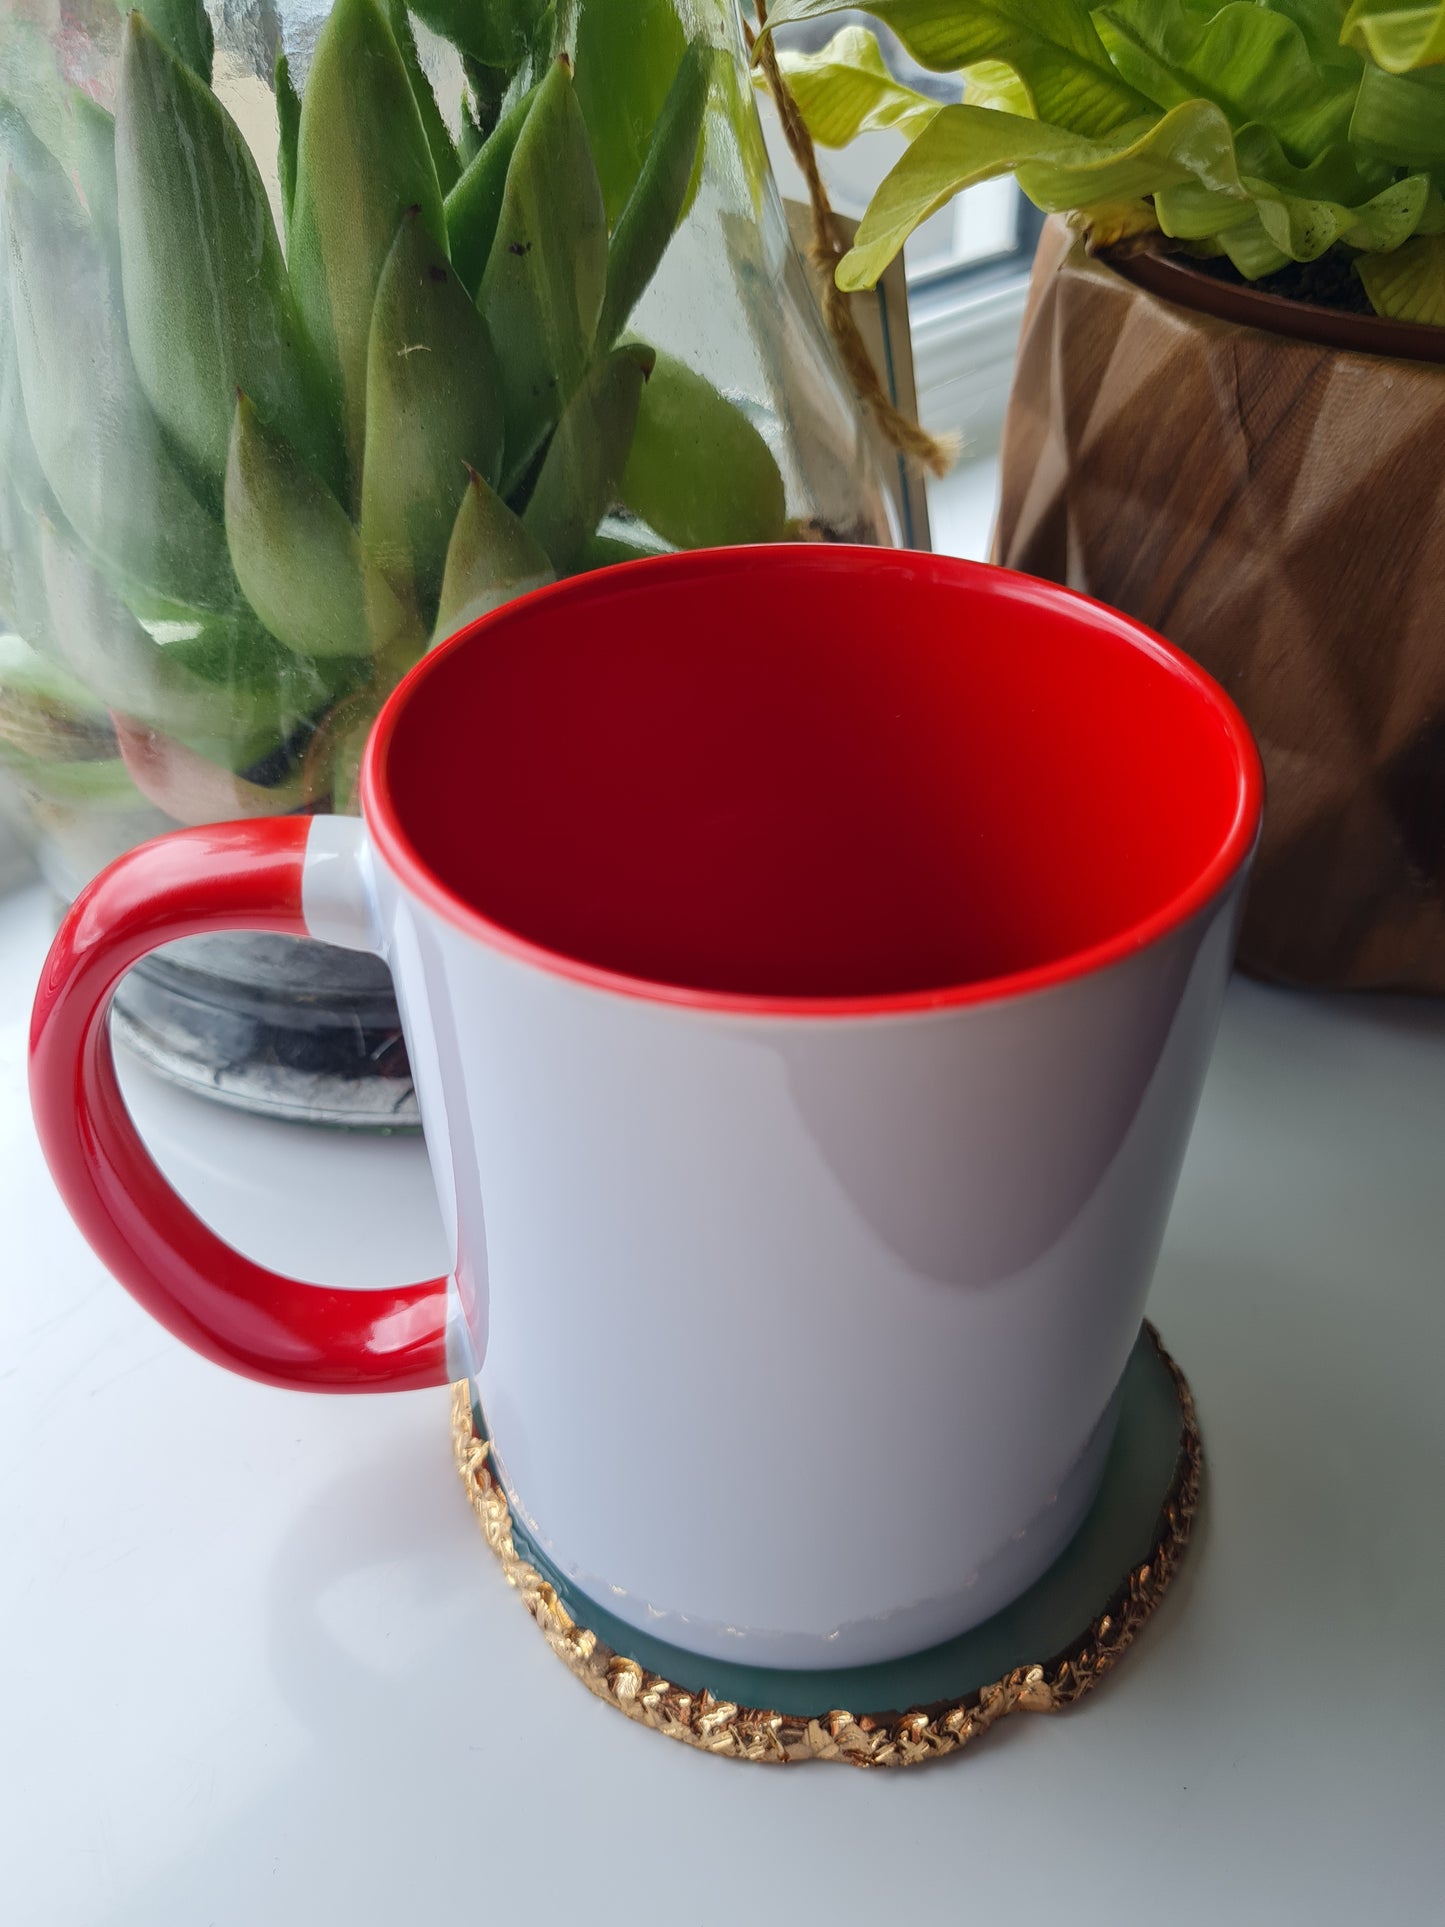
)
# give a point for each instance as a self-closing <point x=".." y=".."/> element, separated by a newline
<point x="265" y="1633"/>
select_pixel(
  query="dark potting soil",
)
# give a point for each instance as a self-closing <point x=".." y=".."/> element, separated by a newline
<point x="1330" y="282"/>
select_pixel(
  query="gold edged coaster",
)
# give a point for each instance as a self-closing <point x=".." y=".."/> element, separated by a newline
<point x="1106" y="1585"/>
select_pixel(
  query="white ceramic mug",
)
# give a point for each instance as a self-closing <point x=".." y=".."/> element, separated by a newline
<point x="809" y="959"/>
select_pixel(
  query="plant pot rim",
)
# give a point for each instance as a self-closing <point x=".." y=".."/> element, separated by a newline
<point x="1174" y="279"/>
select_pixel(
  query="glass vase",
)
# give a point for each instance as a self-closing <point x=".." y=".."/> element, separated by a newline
<point x="325" y="328"/>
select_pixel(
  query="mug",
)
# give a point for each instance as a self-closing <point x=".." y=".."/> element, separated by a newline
<point x="809" y="958"/>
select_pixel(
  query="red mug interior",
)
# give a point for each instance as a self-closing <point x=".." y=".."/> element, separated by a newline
<point x="812" y="773"/>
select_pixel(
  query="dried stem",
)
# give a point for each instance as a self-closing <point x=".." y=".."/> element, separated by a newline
<point x="907" y="436"/>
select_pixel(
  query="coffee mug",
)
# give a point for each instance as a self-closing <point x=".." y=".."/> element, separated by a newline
<point x="809" y="958"/>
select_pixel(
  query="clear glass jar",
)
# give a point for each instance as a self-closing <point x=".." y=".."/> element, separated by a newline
<point x="325" y="327"/>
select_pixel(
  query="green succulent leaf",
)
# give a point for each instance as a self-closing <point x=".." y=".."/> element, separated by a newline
<point x="191" y="787"/>
<point x="101" y="643"/>
<point x="433" y="410"/>
<point x="99" y="443"/>
<point x="475" y="204"/>
<point x="296" y="554"/>
<point x="846" y="89"/>
<point x="1396" y="34"/>
<point x="491" y="559"/>
<point x="1408" y="285"/>
<point x="496" y="33"/>
<point x="184" y="27"/>
<point x="36" y="734"/>
<point x="24" y="606"/>
<point x="288" y="118"/>
<point x="490" y="89"/>
<point x="331" y="762"/>
<point x="21" y="149"/>
<point x="93" y="132"/>
<point x="270" y="683"/>
<point x="103" y="786"/>
<point x="438" y="136"/>
<point x="277" y="696"/>
<point x="470" y="136"/>
<point x="552" y="24"/>
<point x="628" y="54"/>
<point x="542" y="289"/>
<point x="1052" y="45"/>
<point x="698" y="471"/>
<point x="362" y="161"/>
<point x="581" y="475"/>
<point x="21" y="469"/>
<point x="252" y="698"/>
<point x="208" y="305"/>
<point x="605" y="551"/>
<point x="649" y="219"/>
<point x="24" y="494"/>
<point x="36" y="691"/>
<point x="34" y="111"/>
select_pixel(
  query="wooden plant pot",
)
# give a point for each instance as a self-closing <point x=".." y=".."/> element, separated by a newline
<point x="1273" y="504"/>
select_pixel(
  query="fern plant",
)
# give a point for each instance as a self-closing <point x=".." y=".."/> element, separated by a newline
<point x="1267" y="131"/>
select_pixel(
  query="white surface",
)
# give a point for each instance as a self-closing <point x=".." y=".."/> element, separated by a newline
<point x="15" y="860"/>
<point x="259" y="1666"/>
<point x="962" y="508"/>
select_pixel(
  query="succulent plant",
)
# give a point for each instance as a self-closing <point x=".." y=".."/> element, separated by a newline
<point x="1268" y="131"/>
<point x="256" y="463"/>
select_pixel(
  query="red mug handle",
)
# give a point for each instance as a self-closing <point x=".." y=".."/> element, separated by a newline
<point x="228" y="876"/>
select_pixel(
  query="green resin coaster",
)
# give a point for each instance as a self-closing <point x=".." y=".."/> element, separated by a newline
<point x="1041" y="1653"/>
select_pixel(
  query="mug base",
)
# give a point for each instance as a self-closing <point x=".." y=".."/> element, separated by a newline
<point x="1038" y="1654"/>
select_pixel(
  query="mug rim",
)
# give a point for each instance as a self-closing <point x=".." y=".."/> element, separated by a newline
<point x="1206" y="887"/>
